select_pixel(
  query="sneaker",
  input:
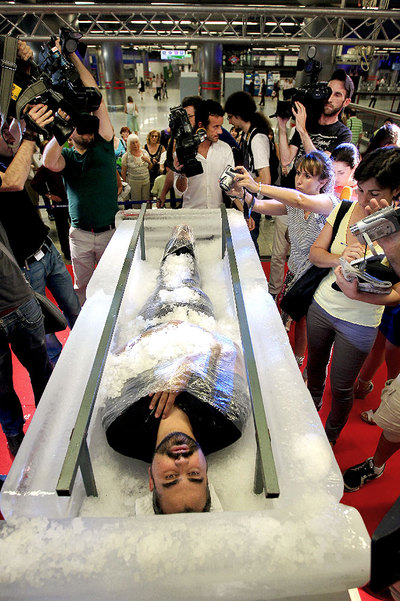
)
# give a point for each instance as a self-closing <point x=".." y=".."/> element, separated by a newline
<point x="14" y="442"/>
<point x="356" y="476"/>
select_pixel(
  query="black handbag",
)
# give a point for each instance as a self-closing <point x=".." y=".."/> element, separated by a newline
<point x="53" y="319"/>
<point x="298" y="298"/>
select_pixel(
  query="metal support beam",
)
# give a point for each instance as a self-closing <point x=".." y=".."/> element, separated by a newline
<point x="265" y="475"/>
<point x="237" y="24"/>
<point x="77" y="455"/>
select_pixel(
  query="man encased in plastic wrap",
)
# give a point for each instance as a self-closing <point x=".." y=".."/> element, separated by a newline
<point x="188" y="394"/>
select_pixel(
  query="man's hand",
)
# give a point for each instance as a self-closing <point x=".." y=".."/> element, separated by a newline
<point x="160" y="202"/>
<point x="282" y="122"/>
<point x="39" y="115"/>
<point x="23" y="51"/>
<point x="390" y="244"/>
<point x="300" y="115"/>
<point x="164" y="402"/>
<point x="251" y="224"/>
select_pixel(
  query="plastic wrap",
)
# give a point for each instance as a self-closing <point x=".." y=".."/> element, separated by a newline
<point x="178" y="355"/>
<point x="177" y="294"/>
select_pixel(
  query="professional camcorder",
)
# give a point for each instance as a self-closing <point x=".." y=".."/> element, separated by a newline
<point x="187" y="142"/>
<point x="312" y="95"/>
<point x="378" y="225"/>
<point x="54" y="81"/>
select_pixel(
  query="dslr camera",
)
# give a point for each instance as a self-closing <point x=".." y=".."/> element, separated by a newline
<point x="187" y="142"/>
<point x="312" y="95"/>
<point x="54" y="81"/>
<point x="378" y="225"/>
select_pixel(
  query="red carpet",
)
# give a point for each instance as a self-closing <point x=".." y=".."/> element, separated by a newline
<point x="358" y="441"/>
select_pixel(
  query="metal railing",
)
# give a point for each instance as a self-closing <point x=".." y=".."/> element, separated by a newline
<point x="265" y="477"/>
<point x="77" y="455"/>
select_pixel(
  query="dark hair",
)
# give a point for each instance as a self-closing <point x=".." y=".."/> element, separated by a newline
<point x="241" y="104"/>
<point x="207" y="108"/>
<point x="352" y="112"/>
<point x="341" y="75"/>
<point x="194" y="101"/>
<point x="130" y="99"/>
<point x="347" y="153"/>
<point x="387" y="135"/>
<point x="383" y="164"/>
<point x="318" y="163"/>
<point x="158" y="509"/>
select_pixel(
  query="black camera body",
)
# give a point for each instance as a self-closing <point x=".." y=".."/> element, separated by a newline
<point x="54" y="81"/>
<point x="312" y="95"/>
<point x="187" y="141"/>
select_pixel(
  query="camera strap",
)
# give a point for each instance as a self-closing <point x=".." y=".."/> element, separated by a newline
<point x="8" y="68"/>
<point x="31" y="92"/>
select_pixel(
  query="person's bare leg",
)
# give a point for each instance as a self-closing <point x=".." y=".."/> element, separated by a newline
<point x="392" y="359"/>
<point x="384" y="450"/>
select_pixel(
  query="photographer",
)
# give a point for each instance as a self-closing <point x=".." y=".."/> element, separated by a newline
<point x="27" y="235"/>
<point x="89" y="172"/>
<point x="21" y="321"/>
<point x="254" y="144"/>
<point x="326" y="133"/>
<point x="203" y="191"/>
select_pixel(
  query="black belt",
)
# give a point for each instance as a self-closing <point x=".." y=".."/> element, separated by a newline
<point x="97" y="230"/>
<point x="44" y="249"/>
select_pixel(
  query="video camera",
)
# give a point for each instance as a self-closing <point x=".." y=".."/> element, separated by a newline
<point x="187" y="142"/>
<point x="312" y="95"/>
<point x="54" y="81"/>
<point x="378" y="225"/>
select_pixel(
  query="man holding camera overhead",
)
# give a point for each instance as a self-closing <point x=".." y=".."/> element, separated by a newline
<point x="89" y="172"/>
<point x="202" y="191"/>
<point x="325" y="133"/>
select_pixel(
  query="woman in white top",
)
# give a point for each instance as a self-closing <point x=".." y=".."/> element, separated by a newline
<point x="307" y="207"/>
<point x="347" y="319"/>
<point x="135" y="169"/>
<point x="132" y="111"/>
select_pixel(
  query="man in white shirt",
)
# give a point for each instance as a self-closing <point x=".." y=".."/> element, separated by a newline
<point x="202" y="191"/>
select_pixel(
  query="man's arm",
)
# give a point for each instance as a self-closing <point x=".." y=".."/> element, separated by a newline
<point x="168" y="184"/>
<point x="52" y="157"/>
<point x="15" y="176"/>
<point x="287" y="152"/>
<point x="106" y="130"/>
<point x="300" y="115"/>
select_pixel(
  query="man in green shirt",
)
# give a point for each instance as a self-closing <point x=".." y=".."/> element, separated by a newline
<point x="89" y="172"/>
<point x="355" y="125"/>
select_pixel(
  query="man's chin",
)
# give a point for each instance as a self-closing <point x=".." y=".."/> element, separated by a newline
<point x="176" y="439"/>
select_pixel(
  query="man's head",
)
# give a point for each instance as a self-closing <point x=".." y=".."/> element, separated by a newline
<point x="210" y="115"/>
<point x="342" y="87"/>
<point x="191" y="104"/>
<point x="86" y="129"/>
<point x="178" y="476"/>
<point x="240" y="107"/>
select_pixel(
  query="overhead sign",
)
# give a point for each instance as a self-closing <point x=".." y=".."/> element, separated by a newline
<point x="233" y="59"/>
<point x="169" y="55"/>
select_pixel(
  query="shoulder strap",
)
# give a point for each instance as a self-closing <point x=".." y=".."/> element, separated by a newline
<point x="8" y="68"/>
<point x="344" y="207"/>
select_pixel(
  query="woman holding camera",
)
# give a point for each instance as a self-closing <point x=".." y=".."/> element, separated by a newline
<point x="347" y="319"/>
<point x="307" y="207"/>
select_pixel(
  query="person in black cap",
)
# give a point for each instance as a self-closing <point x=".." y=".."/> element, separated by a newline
<point x="89" y="172"/>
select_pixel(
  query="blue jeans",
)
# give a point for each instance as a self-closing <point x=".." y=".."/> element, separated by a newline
<point x="50" y="271"/>
<point x="351" y="346"/>
<point x="23" y="330"/>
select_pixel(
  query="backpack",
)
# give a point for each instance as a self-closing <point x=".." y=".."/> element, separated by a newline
<point x="245" y="146"/>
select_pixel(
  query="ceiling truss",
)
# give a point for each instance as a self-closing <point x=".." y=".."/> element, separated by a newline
<point x="168" y="25"/>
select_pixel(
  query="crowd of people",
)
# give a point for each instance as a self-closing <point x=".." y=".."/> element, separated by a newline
<point x="315" y="182"/>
